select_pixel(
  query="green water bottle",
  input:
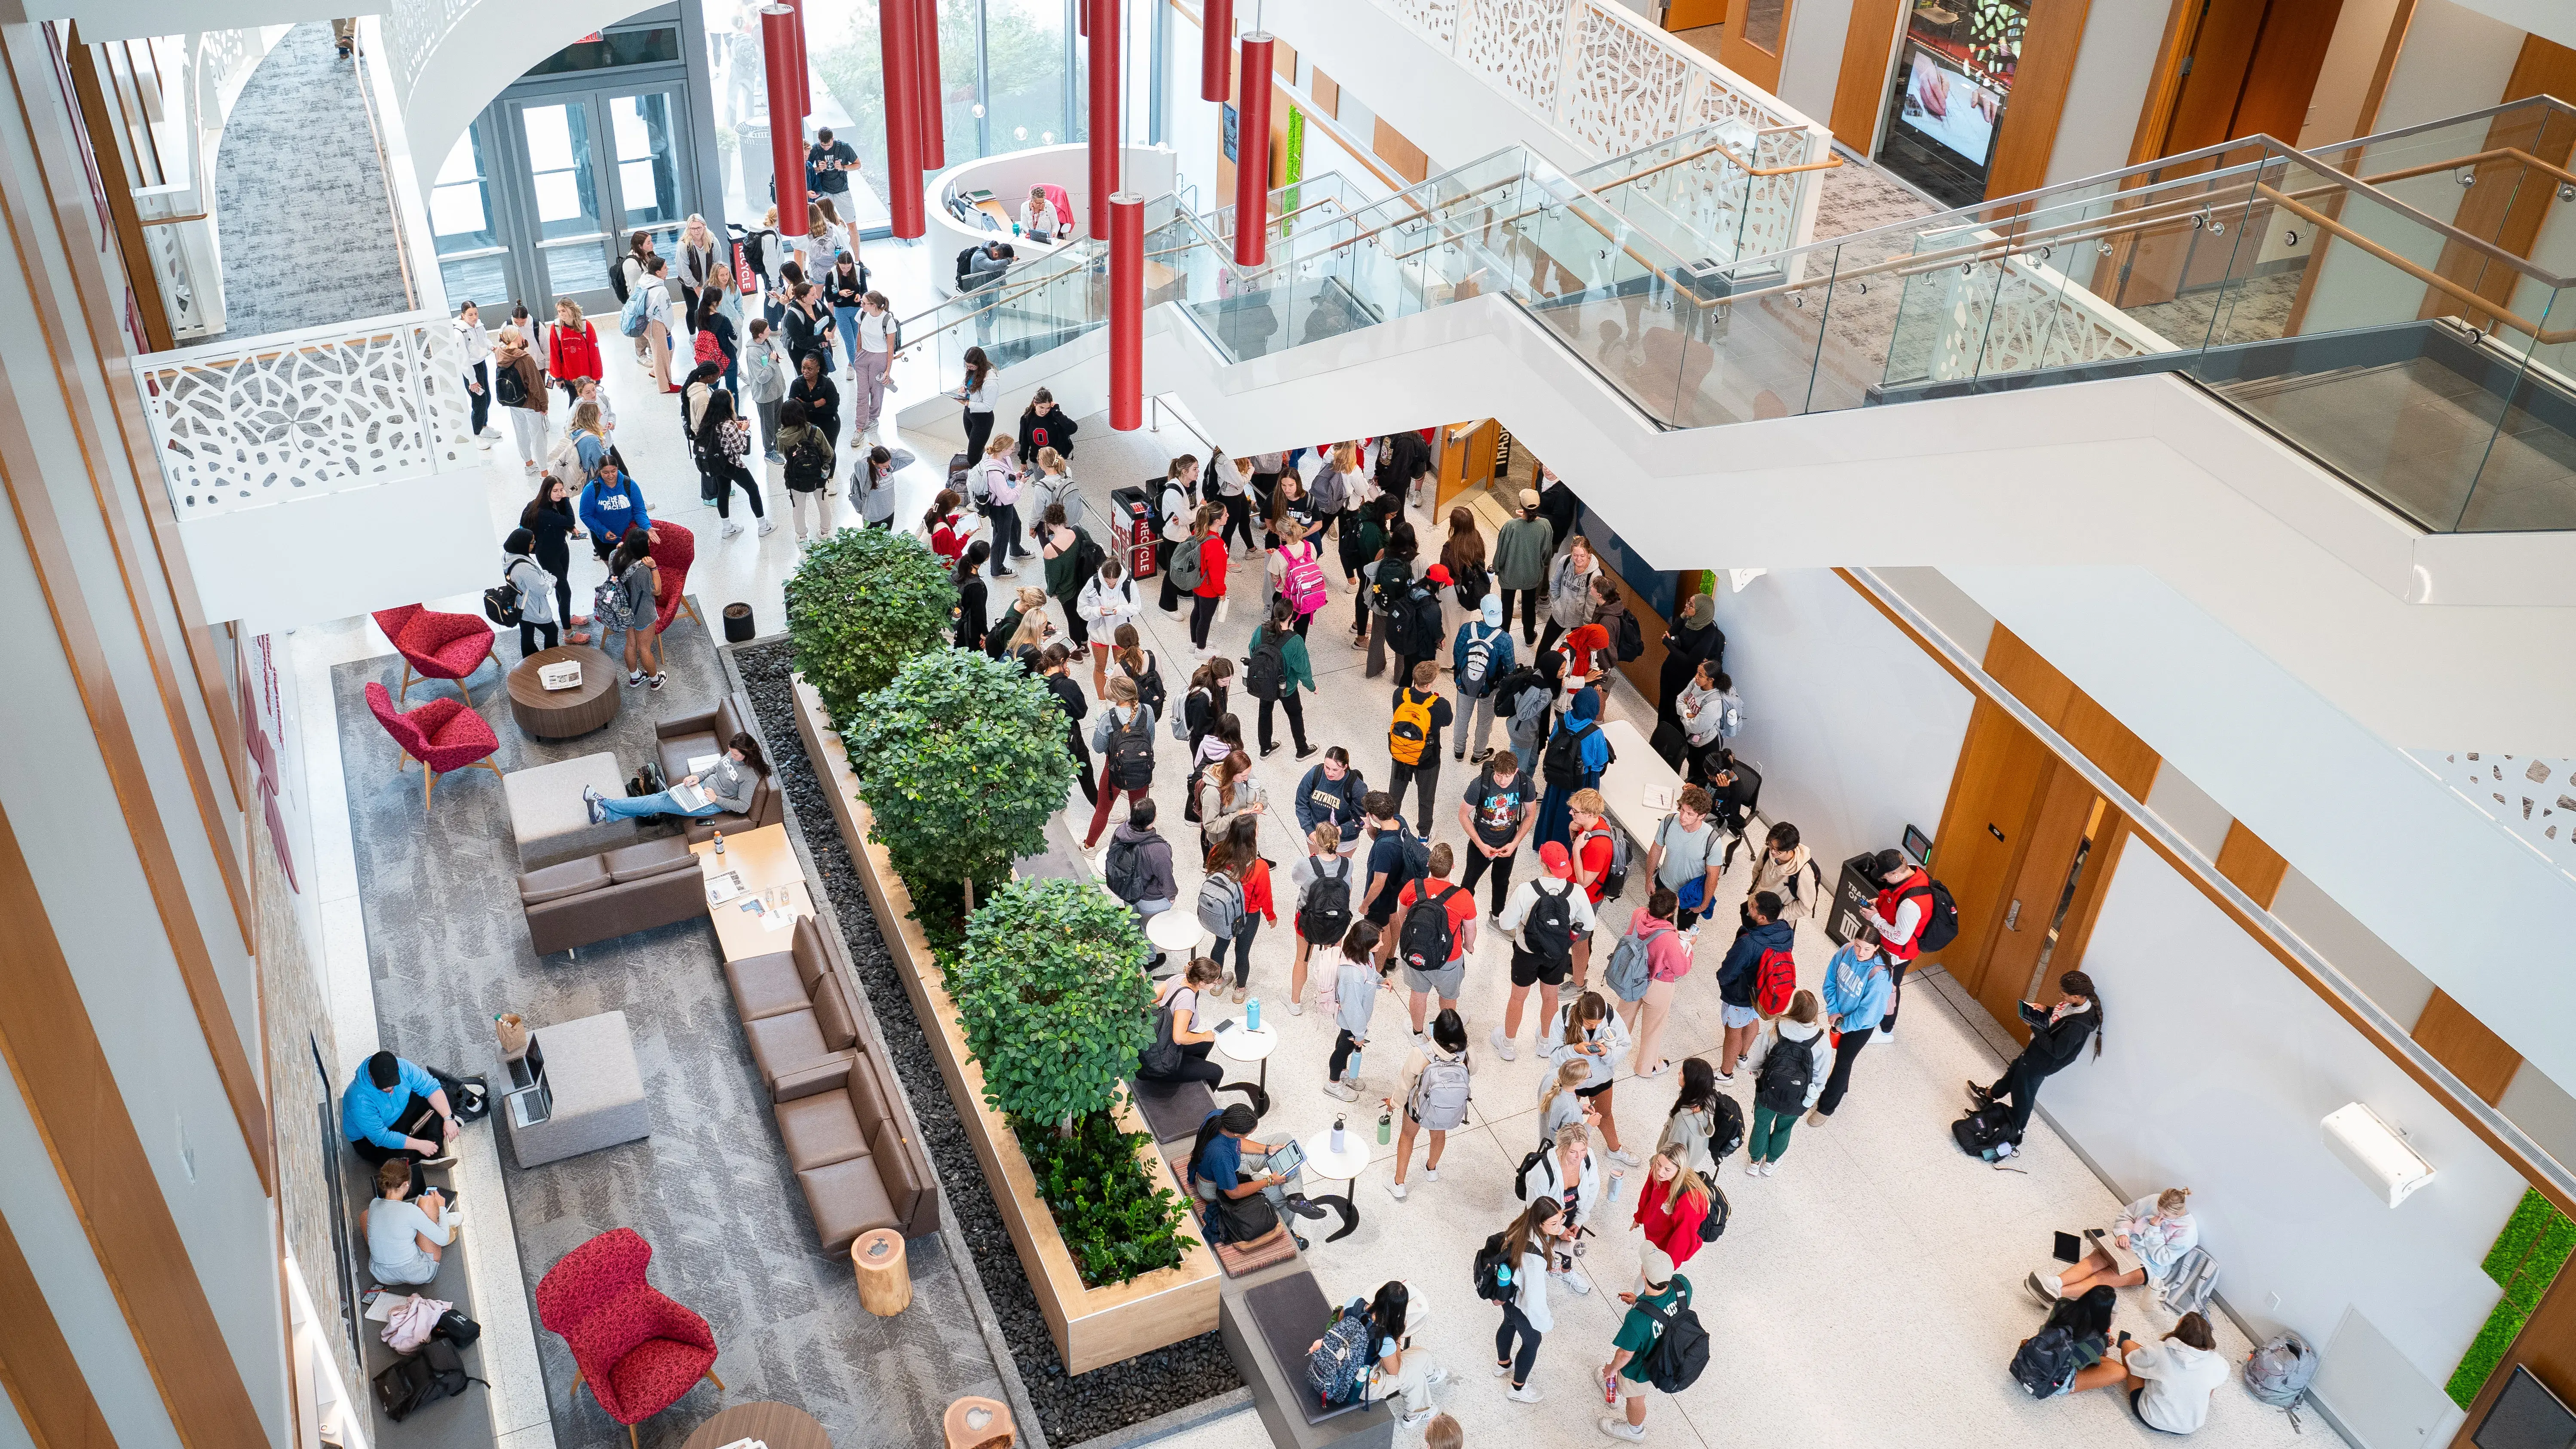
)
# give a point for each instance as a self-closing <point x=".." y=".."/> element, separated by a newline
<point x="1385" y="1126"/>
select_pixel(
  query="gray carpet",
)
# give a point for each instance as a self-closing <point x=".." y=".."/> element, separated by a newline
<point x="710" y="1189"/>
<point x="300" y="203"/>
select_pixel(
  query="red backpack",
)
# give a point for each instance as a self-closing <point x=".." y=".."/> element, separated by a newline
<point x="1775" y="980"/>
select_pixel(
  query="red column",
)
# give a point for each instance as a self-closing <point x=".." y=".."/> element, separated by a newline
<point x="1216" y="49"/>
<point x="1105" y="97"/>
<point x="786" y="128"/>
<point x="934" y="97"/>
<point x="898" y="36"/>
<point x="804" y="71"/>
<point x="1252" y="155"/>
<point x="1126" y="312"/>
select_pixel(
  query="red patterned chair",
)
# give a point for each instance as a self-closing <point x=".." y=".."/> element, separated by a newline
<point x="442" y="734"/>
<point x="437" y="646"/>
<point x="673" y="551"/>
<point x="639" y="1351"/>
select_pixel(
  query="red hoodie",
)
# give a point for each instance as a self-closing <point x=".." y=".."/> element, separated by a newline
<point x="1677" y="1231"/>
<point x="1211" y="568"/>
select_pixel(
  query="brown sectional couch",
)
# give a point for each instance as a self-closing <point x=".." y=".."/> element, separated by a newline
<point x="599" y="897"/>
<point x="705" y="733"/>
<point x="834" y="1096"/>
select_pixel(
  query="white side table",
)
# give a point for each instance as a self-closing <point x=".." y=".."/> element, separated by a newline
<point x="1343" y="1167"/>
<point x="1244" y="1044"/>
<point x="1175" y="930"/>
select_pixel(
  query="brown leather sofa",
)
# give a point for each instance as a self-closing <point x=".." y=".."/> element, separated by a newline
<point x="706" y="733"/>
<point x="832" y="1092"/>
<point x="600" y="897"/>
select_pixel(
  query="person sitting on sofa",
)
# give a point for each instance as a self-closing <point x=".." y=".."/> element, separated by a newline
<point x="403" y="1236"/>
<point x="728" y="784"/>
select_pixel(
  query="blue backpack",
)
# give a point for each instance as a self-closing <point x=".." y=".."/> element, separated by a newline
<point x="630" y="318"/>
<point x="1338" y="1364"/>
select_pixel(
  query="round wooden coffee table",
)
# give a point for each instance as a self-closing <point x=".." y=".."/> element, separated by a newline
<point x="557" y="714"/>
<point x="776" y="1425"/>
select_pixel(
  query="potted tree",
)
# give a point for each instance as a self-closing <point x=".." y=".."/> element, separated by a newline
<point x="864" y="601"/>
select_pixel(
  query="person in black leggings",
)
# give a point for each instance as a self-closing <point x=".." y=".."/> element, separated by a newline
<point x="2057" y="1035"/>
<point x="1203" y="977"/>
<point x="548" y="516"/>
<point x="1526" y="1246"/>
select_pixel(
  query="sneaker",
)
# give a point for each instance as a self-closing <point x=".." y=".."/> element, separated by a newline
<point x="576" y="637"/>
<point x="1623" y="1155"/>
<point x="1271" y="749"/>
<point x="1308" y="752"/>
<point x="1503" y="1044"/>
<point x="2039" y="1291"/>
<point x="768" y="526"/>
<point x="530" y="464"/>
<point x="655" y="682"/>
<point x="1575" y="1283"/>
<point x="1752" y="1168"/>
<point x="1431" y="1174"/>
<point x="590" y="798"/>
<point x="1435" y="1378"/>
<point x="1887" y="1031"/>
<point x="1525" y="1394"/>
<point x="1239" y="994"/>
<point x="634" y="677"/>
<point x="729" y="530"/>
<point x="1296" y="1008"/>
<point x="1726" y="1079"/>
<point x="1771" y="1168"/>
<point x="1815" y="1118"/>
<point x="1396" y="1190"/>
<point x="1620" y="1429"/>
<point x="1417" y="1418"/>
<point x="1502" y="1369"/>
<point x="1659" y="1069"/>
<point x="1343" y="1090"/>
<point x="1978" y="1097"/>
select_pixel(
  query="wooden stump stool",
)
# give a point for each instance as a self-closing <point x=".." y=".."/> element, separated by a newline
<point x="885" y="1284"/>
<point x="973" y="1423"/>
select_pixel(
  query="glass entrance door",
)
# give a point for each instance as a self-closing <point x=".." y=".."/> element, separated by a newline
<point x="595" y="167"/>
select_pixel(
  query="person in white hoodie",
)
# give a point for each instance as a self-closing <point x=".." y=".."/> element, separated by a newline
<point x="1789" y="1063"/>
<point x="1573" y="1176"/>
<point x="996" y="485"/>
<point x="1107" y="601"/>
<point x="1357" y="983"/>
<point x="536" y="591"/>
<point x="2170" y="1381"/>
<point x="1527" y="1245"/>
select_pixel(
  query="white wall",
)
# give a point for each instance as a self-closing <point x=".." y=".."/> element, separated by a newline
<point x="442" y="518"/>
<point x="2455" y="60"/>
<point x="2217" y="1066"/>
<point x="1811" y="59"/>
<point x="2109" y="89"/>
<point x="1818" y="669"/>
<point x="2550" y="19"/>
<point x="2343" y="81"/>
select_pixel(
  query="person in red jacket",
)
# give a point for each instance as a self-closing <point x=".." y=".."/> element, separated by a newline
<point x="1903" y="907"/>
<point x="572" y="348"/>
<point x="1211" y="589"/>
<point x="1673" y="1204"/>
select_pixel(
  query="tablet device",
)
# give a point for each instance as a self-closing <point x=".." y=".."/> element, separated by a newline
<point x="2069" y="1248"/>
<point x="1286" y="1158"/>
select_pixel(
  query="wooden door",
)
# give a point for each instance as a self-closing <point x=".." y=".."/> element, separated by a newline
<point x="1750" y="45"/>
<point x="1978" y="851"/>
<point x="1694" y="14"/>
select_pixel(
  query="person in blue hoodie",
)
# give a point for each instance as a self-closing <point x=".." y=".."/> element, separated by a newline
<point x="1587" y="755"/>
<point x="1736" y="979"/>
<point x="611" y="504"/>
<point x="1856" y="990"/>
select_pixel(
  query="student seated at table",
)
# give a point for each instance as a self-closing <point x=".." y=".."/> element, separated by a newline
<point x="1039" y="217"/>
<point x="728" y="784"/>
<point x="1243" y="1209"/>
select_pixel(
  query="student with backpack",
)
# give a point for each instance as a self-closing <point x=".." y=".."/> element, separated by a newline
<point x="2057" y="1035"/>
<point x="1436" y="928"/>
<point x="1788" y="1072"/>
<point x="1497" y="814"/>
<point x="1600" y="856"/>
<point x="1278" y="668"/>
<point x="1855" y="998"/>
<point x="995" y="486"/>
<point x="1660" y="1347"/>
<point x="1357" y="981"/>
<point x="1396" y="858"/>
<point x="1181" y="1042"/>
<point x="1227" y="793"/>
<point x="1479" y="657"/>
<point x="1674" y="1208"/>
<point x="1685" y="859"/>
<point x="1706" y="1123"/>
<point x="1199" y="565"/>
<point x="1326" y="886"/>
<point x="807" y="452"/>
<point x="1414" y="627"/>
<point x="1123" y="738"/>
<point x="1543" y="918"/>
<point x="2071" y="1352"/>
<point x="1621" y="638"/>
<point x="1296" y="572"/>
<point x="1512" y="1270"/>
<point x="1107" y="607"/>
<point x="1700" y="711"/>
<point x="1570" y="599"/>
<point x="1574" y="758"/>
<point x="1567" y="1171"/>
<point x="533" y="590"/>
<point x="1526" y="699"/>
<point x="1058" y="679"/>
<point x="1913" y="914"/>
<point x="1367" y="1354"/>
<point x="1435" y="1093"/>
<point x="974" y="626"/>
<point x="1784" y="868"/>
<point x="1138" y="866"/>
<point x="1202" y="706"/>
<point x="1245" y="1206"/>
<point x="1757" y="963"/>
<point x="1178" y="502"/>
<point x="1651" y="959"/>
<point x="1417" y="715"/>
<point x="1586" y="1030"/>
<point x="1390" y="584"/>
<point x="1223" y="912"/>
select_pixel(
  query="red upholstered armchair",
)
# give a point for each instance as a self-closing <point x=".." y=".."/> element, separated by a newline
<point x="437" y="646"/>
<point x="639" y="1351"/>
<point x="674" y="549"/>
<point x="442" y="734"/>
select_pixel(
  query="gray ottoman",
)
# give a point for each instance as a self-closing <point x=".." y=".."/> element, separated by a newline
<point x="594" y="1092"/>
<point x="547" y="816"/>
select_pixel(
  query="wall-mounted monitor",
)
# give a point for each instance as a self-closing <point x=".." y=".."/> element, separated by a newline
<point x="2526" y="1416"/>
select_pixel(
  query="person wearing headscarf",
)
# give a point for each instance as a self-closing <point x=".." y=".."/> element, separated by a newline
<point x="1591" y="757"/>
<point x="1691" y="639"/>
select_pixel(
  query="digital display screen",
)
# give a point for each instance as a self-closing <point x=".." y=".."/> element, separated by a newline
<point x="1949" y="109"/>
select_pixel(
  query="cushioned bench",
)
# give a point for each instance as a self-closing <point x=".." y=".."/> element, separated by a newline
<point x="1172" y="1109"/>
<point x="1270" y="1325"/>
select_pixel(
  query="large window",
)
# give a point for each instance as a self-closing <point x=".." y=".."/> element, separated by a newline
<point x="472" y="261"/>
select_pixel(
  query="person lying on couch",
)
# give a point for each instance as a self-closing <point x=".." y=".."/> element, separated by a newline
<point x="728" y="784"/>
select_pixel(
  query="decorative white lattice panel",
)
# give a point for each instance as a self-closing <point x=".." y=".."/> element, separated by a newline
<point x="1436" y="19"/>
<point x="2029" y="318"/>
<point x="1627" y="88"/>
<point x="1520" y="44"/>
<point x="1771" y="203"/>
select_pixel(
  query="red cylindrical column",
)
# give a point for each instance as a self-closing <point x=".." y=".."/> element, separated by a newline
<point x="898" y="35"/>
<point x="1082" y="17"/>
<point x="1252" y="155"/>
<point x="1126" y="311"/>
<point x="786" y="128"/>
<point x="804" y="70"/>
<point x="1216" y="49"/>
<point x="1105" y="99"/>
<point x="934" y="96"/>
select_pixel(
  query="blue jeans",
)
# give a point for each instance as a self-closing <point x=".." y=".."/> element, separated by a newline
<point x="629" y="807"/>
<point x="846" y="320"/>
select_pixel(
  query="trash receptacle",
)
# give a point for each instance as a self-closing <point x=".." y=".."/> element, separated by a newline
<point x="1131" y="530"/>
<point x="737" y="623"/>
<point x="1854" y="890"/>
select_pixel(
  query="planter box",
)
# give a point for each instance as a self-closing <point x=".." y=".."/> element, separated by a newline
<point x="1091" y="1326"/>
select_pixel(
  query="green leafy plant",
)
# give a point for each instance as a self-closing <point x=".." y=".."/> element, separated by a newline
<point x="1052" y="998"/>
<point x="2524" y="1261"/>
<point x="863" y="601"/>
<point x="962" y="759"/>
<point x="1116" y="1217"/>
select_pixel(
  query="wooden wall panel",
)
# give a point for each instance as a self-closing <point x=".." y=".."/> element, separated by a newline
<point x="1407" y="159"/>
<point x="2019" y="160"/>
<point x="1860" y="87"/>
<point x="36" y="1363"/>
<point x="2546" y="1346"/>
<point x="2510" y="201"/>
<point x="2071" y="712"/>
<point x="2461" y="1042"/>
<point x="2254" y="867"/>
<point x="1326" y="91"/>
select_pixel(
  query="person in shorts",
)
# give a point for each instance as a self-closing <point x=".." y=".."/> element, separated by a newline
<point x="1497" y="812"/>
<point x="1536" y="960"/>
<point x="1460" y="904"/>
<point x="1593" y="851"/>
<point x="1667" y="1292"/>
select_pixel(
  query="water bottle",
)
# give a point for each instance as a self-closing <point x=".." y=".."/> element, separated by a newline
<point x="1385" y="1126"/>
<point x="719" y="847"/>
<point x="1351" y="1073"/>
<point x="1252" y="1014"/>
<point x="1617" y="1181"/>
<point x="1337" y="1136"/>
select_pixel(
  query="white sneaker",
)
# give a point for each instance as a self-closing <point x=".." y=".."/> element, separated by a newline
<point x="1343" y="1090"/>
<point x="1623" y="1155"/>
<point x="1417" y="1418"/>
<point x="1752" y="1168"/>
<point x="767" y="527"/>
<point x="1431" y="1174"/>
<point x="1618" y="1429"/>
<point x="1396" y="1190"/>
<point x="1574" y="1283"/>
<point x="1296" y="1008"/>
<point x="1771" y="1169"/>
<point x="730" y="530"/>
<point x="1503" y="1044"/>
<point x="1502" y="1370"/>
<point x="1435" y="1378"/>
<point x="1525" y="1394"/>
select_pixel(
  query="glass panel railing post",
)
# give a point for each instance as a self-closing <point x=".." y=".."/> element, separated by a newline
<point x="2523" y="481"/>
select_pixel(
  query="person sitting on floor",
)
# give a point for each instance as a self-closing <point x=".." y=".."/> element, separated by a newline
<point x="394" y="1108"/>
<point x="2170" y="1382"/>
<point x="404" y="1235"/>
<point x="728" y="785"/>
<point x="2144" y="1243"/>
<point x="2051" y="1369"/>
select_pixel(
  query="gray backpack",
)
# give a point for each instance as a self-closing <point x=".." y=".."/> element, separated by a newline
<point x="1440" y="1095"/>
<point x="1220" y="905"/>
<point x="2280" y="1371"/>
<point x="1628" y="975"/>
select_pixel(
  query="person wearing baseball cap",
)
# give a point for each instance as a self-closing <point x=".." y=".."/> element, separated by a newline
<point x="1544" y="918"/>
<point x="1521" y="553"/>
<point x="1649" y="1314"/>
<point x="1425" y="629"/>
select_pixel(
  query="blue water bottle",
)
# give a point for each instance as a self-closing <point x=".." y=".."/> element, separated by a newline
<point x="1252" y="1014"/>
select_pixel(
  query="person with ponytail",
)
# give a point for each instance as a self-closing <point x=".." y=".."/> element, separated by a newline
<point x="2143" y="1244"/>
<point x="728" y="785"/>
<point x="2057" y="1036"/>
<point x="1527" y="1244"/>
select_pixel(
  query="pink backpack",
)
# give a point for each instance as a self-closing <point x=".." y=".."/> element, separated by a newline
<point x="1303" y="581"/>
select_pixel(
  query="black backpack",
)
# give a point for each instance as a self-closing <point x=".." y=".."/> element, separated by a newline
<point x="1941" y="926"/>
<point x="1530" y="1164"/>
<point x="1713" y="1226"/>
<point x="1679" y="1353"/>
<point x="1730" y="1129"/>
<point x="1164" y="1057"/>
<point x="1123" y="870"/>
<point x="508" y="388"/>
<point x="1149" y="686"/>
<point x="1547" y="933"/>
<point x="411" y="1384"/>
<point x="1985" y="1134"/>
<point x="1493" y="1275"/>
<point x="1131" y="754"/>
<point x="1268" y="671"/>
<point x="1507" y="690"/>
<point x="1561" y="767"/>
<point x="1413" y="626"/>
<point x="1426" y="939"/>
<point x="501" y="604"/>
<point x="965" y="264"/>
<point x="1088" y="555"/>
<point x="1394" y="580"/>
<point x="808" y="466"/>
<point x="1631" y="640"/>
<point x="1326" y="914"/>
<point x="1781" y="1085"/>
<point x="1473" y="581"/>
<point x="2046" y="1361"/>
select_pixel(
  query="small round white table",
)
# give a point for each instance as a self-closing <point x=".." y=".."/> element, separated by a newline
<point x="1244" y="1044"/>
<point x="1344" y="1167"/>
<point x="1174" y="930"/>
